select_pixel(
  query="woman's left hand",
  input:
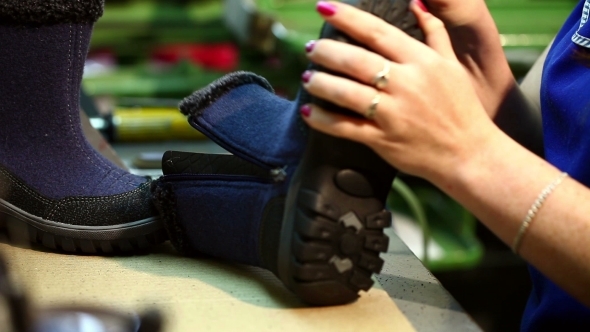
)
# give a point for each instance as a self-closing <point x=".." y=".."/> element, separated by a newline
<point x="428" y="119"/>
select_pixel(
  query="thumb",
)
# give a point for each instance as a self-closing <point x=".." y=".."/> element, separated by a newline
<point x="435" y="33"/>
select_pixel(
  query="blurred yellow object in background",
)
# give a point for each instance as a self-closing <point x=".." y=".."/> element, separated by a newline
<point x="151" y="124"/>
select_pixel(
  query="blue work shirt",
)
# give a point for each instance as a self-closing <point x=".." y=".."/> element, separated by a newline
<point x="565" y="106"/>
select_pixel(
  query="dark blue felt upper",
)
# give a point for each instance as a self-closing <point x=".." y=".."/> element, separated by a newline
<point x="252" y="122"/>
<point x="41" y="139"/>
<point x="222" y="217"/>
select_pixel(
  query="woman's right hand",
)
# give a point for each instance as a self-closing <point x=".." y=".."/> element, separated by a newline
<point x="476" y="44"/>
<point x="455" y="13"/>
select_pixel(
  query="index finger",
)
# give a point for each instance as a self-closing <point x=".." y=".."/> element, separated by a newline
<point x="372" y="31"/>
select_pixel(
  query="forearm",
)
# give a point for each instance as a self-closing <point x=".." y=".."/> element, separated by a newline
<point x="499" y="184"/>
<point x="519" y="114"/>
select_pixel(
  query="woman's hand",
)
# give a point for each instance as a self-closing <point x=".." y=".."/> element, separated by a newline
<point x="455" y="13"/>
<point x="428" y="120"/>
<point x="476" y="43"/>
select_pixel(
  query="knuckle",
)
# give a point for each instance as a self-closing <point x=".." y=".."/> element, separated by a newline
<point x="322" y="46"/>
<point x="433" y="23"/>
<point x="431" y="63"/>
<point x="349" y="61"/>
<point x="337" y="92"/>
<point x="375" y="35"/>
<point x="342" y="130"/>
<point x="374" y="141"/>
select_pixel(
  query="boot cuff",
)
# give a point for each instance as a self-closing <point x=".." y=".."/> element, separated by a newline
<point x="43" y="12"/>
<point x="207" y="96"/>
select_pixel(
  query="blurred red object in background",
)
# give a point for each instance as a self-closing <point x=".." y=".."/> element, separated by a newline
<point x="222" y="56"/>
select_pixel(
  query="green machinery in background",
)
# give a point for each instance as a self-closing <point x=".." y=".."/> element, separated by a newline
<point x="268" y="37"/>
<point x="270" y="34"/>
<point x="526" y="26"/>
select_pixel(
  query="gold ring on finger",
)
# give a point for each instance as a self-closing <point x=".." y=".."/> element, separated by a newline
<point x="382" y="78"/>
<point x="370" y="113"/>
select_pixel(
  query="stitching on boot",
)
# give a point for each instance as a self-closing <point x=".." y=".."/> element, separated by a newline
<point x="165" y="201"/>
<point x="18" y="183"/>
<point x="92" y="154"/>
<point x="75" y="56"/>
<point x="44" y="12"/>
<point x="62" y="205"/>
<point x="201" y="99"/>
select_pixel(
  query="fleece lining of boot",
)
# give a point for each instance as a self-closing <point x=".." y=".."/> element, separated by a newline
<point x="201" y="99"/>
<point x="45" y="12"/>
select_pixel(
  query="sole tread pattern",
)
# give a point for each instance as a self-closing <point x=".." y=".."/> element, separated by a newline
<point x="330" y="249"/>
<point x="335" y="209"/>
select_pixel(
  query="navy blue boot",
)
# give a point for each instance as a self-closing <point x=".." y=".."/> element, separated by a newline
<point x="233" y="206"/>
<point x="307" y="206"/>
<point x="55" y="189"/>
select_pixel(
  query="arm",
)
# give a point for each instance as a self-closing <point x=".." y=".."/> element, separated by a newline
<point x="519" y="114"/>
<point x="531" y="84"/>
<point x="520" y="118"/>
<point x="500" y="185"/>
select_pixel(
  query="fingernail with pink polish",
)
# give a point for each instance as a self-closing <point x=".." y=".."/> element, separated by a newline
<point x="309" y="46"/>
<point x="305" y="110"/>
<point x="421" y="5"/>
<point x="306" y="76"/>
<point x="325" y="8"/>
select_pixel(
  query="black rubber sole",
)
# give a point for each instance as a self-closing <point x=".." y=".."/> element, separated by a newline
<point x="332" y="232"/>
<point x="23" y="228"/>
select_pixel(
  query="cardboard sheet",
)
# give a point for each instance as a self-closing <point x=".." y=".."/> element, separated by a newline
<point x="193" y="294"/>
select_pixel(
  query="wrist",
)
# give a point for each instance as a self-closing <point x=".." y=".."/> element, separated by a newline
<point x="472" y="161"/>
